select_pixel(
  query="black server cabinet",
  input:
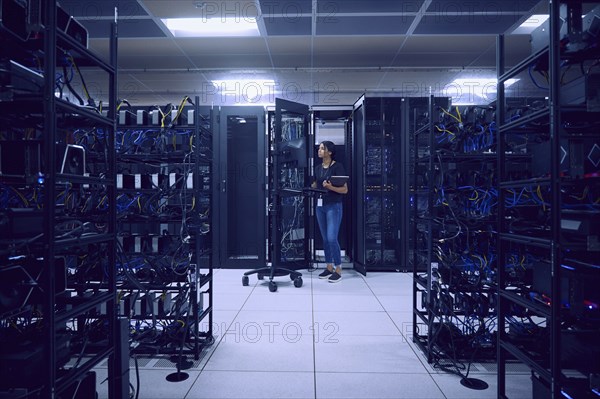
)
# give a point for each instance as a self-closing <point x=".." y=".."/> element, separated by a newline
<point x="326" y="122"/>
<point x="376" y="186"/>
<point x="240" y="205"/>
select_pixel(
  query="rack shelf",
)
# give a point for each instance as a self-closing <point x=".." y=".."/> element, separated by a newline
<point x="452" y="284"/>
<point x="549" y="284"/>
<point x="35" y="106"/>
<point x="167" y="241"/>
<point x="54" y="297"/>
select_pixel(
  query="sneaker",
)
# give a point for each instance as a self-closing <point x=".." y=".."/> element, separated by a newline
<point x="334" y="278"/>
<point x="326" y="273"/>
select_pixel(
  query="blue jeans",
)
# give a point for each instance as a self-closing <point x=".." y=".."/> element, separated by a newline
<point x="329" y="217"/>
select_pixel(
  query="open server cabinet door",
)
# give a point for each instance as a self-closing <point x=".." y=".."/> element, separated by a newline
<point x="290" y="212"/>
<point x="356" y="186"/>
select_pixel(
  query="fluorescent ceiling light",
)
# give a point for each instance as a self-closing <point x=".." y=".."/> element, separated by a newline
<point x="481" y="82"/>
<point x="531" y="24"/>
<point x="250" y="91"/>
<point x="234" y="83"/>
<point x="212" y="27"/>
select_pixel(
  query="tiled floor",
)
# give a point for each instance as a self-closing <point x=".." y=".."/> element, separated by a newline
<point x="323" y="340"/>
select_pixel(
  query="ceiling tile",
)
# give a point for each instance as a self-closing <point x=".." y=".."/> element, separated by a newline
<point x="283" y="26"/>
<point x="222" y="45"/>
<point x="290" y="51"/>
<point x="232" y="61"/>
<point x="484" y="6"/>
<point x="444" y="44"/>
<point x="434" y="60"/>
<point x="362" y="25"/>
<point x="105" y="8"/>
<point x="289" y="44"/>
<point x="158" y="46"/>
<point x="144" y="28"/>
<point x="154" y="62"/>
<point x="447" y="24"/>
<point x="291" y="60"/>
<point x="351" y="60"/>
<point x="358" y="45"/>
<point x="333" y="7"/>
<point x="290" y="8"/>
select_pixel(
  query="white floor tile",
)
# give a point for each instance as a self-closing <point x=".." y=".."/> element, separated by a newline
<point x="391" y="289"/>
<point x="220" y="322"/>
<point x="403" y="321"/>
<point x="517" y="386"/>
<point x="230" y="300"/>
<point x="396" y="303"/>
<point x="225" y="277"/>
<point x="248" y="384"/>
<point x="279" y="302"/>
<point x="153" y="384"/>
<point x="345" y="302"/>
<point x="257" y="350"/>
<point x="322" y="340"/>
<point x="366" y="354"/>
<point x="376" y="385"/>
<point x="270" y="322"/>
<point x="375" y="278"/>
<point x="357" y="323"/>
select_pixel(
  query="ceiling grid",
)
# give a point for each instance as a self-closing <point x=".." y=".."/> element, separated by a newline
<point x="359" y="45"/>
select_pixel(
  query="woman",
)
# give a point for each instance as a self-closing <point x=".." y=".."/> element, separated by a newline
<point x="329" y="210"/>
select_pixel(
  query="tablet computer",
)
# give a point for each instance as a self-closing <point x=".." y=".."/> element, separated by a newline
<point x="338" y="181"/>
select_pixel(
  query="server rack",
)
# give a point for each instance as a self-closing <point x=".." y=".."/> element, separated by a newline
<point x="164" y="185"/>
<point x="422" y="201"/>
<point x="376" y="183"/>
<point x="240" y="205"/>
<point x="324" y="119"/>
<point x="547" y="311"/>
<point x="454" y="223"/>
<point x="288" y="213"/>
<point x="416" y="116"/>
<point x="58" y="211"/>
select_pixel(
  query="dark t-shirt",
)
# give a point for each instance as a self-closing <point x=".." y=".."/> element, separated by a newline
<point x="322" y="174"/>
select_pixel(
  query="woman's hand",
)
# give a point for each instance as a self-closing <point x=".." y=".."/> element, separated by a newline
<point x="340" y="190"/>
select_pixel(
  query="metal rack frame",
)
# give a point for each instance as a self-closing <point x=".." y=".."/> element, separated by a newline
<point x="550" y="370"/>
<point x="53" y="110"/>
<point x="202" y="252"/>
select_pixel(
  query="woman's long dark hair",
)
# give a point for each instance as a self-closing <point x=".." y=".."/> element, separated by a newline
<point x="329" y="146"/>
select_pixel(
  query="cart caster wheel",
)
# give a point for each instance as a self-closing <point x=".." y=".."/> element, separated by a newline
<point x="298" y="282"/>
<point x="260" y="276"/>
<point x="272" y="286"/>
<point x="245" y="281"/>
<point x="293" y="276"/>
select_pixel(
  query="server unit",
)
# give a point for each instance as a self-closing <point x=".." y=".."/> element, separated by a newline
<point x="376" y="183"/>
